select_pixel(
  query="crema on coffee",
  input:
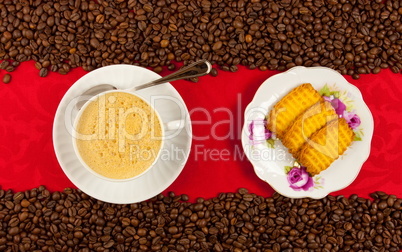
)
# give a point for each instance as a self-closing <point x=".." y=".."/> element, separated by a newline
<point x="118" y="135"/>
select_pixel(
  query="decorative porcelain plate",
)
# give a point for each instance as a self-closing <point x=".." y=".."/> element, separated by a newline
<point x="271" y="160"/>
<point x="165" y="99"/>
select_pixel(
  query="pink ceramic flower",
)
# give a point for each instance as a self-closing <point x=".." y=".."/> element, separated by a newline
<point x="299" y="179"/>
<point x="258" y="131"/>
<point x="327" y="98"/>
<point x="352" y="119"/>
<point x="338" y="105"/>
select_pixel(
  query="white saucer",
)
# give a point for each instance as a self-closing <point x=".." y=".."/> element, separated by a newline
<point x="166" y="100"/>
<point x="269" y="163"/>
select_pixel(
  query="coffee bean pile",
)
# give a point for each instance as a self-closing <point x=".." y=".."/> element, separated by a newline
<point x="352" y="36"/>
<point x="242" y="221"/>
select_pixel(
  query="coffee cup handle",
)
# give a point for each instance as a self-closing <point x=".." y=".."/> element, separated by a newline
<point x="174" y="125"/>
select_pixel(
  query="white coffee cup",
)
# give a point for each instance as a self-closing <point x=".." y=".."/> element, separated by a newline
<point x="165" y="127"/>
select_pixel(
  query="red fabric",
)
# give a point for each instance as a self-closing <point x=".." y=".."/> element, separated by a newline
<point x="28" y="105"/>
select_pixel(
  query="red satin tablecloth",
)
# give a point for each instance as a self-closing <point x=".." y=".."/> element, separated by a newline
<point x="28" y="105"/>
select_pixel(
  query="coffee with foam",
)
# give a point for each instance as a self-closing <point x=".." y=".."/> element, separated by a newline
<point x="118" y="135"/>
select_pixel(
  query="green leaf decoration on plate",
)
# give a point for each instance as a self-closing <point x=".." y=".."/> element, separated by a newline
<point x="325" y="91"/>
<point x="358" y="135"/>
<point x="328" y="91"/>
<point x="287" y="169"/>
<point x="271" y="143"/>
<point x="318" y="182"/>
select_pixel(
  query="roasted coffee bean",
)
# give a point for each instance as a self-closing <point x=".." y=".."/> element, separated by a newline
<point x="225" y="68"/>
<point x="4" y="64"/>
<point x="6" y="78"/>
<point x="75" y="220"/>
<point x="10" y="68"/>
<point x="194" y="79"/>
<point x="233" y="69"/>
<point x="352" y="37"/>
<point x="171" y="67"/>
<point x="25" y="203"/>
<point x="355" y="76"/>
<point x="158" y="69"/>
<point x="214" y="72"/>
<point x="43" y="72"/>
<point x="395" y="69"/>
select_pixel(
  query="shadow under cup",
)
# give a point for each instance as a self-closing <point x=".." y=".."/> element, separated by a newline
<point x="118" y="136"/>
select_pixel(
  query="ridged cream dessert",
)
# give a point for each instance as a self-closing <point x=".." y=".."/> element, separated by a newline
<point x="325" y="146"/>
<point x="286" y="110"/>
<point x="313" y="119"/>
<point x="310" y="128"/>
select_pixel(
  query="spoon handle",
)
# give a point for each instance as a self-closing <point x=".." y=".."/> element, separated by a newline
<point x="199" y="68"/>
